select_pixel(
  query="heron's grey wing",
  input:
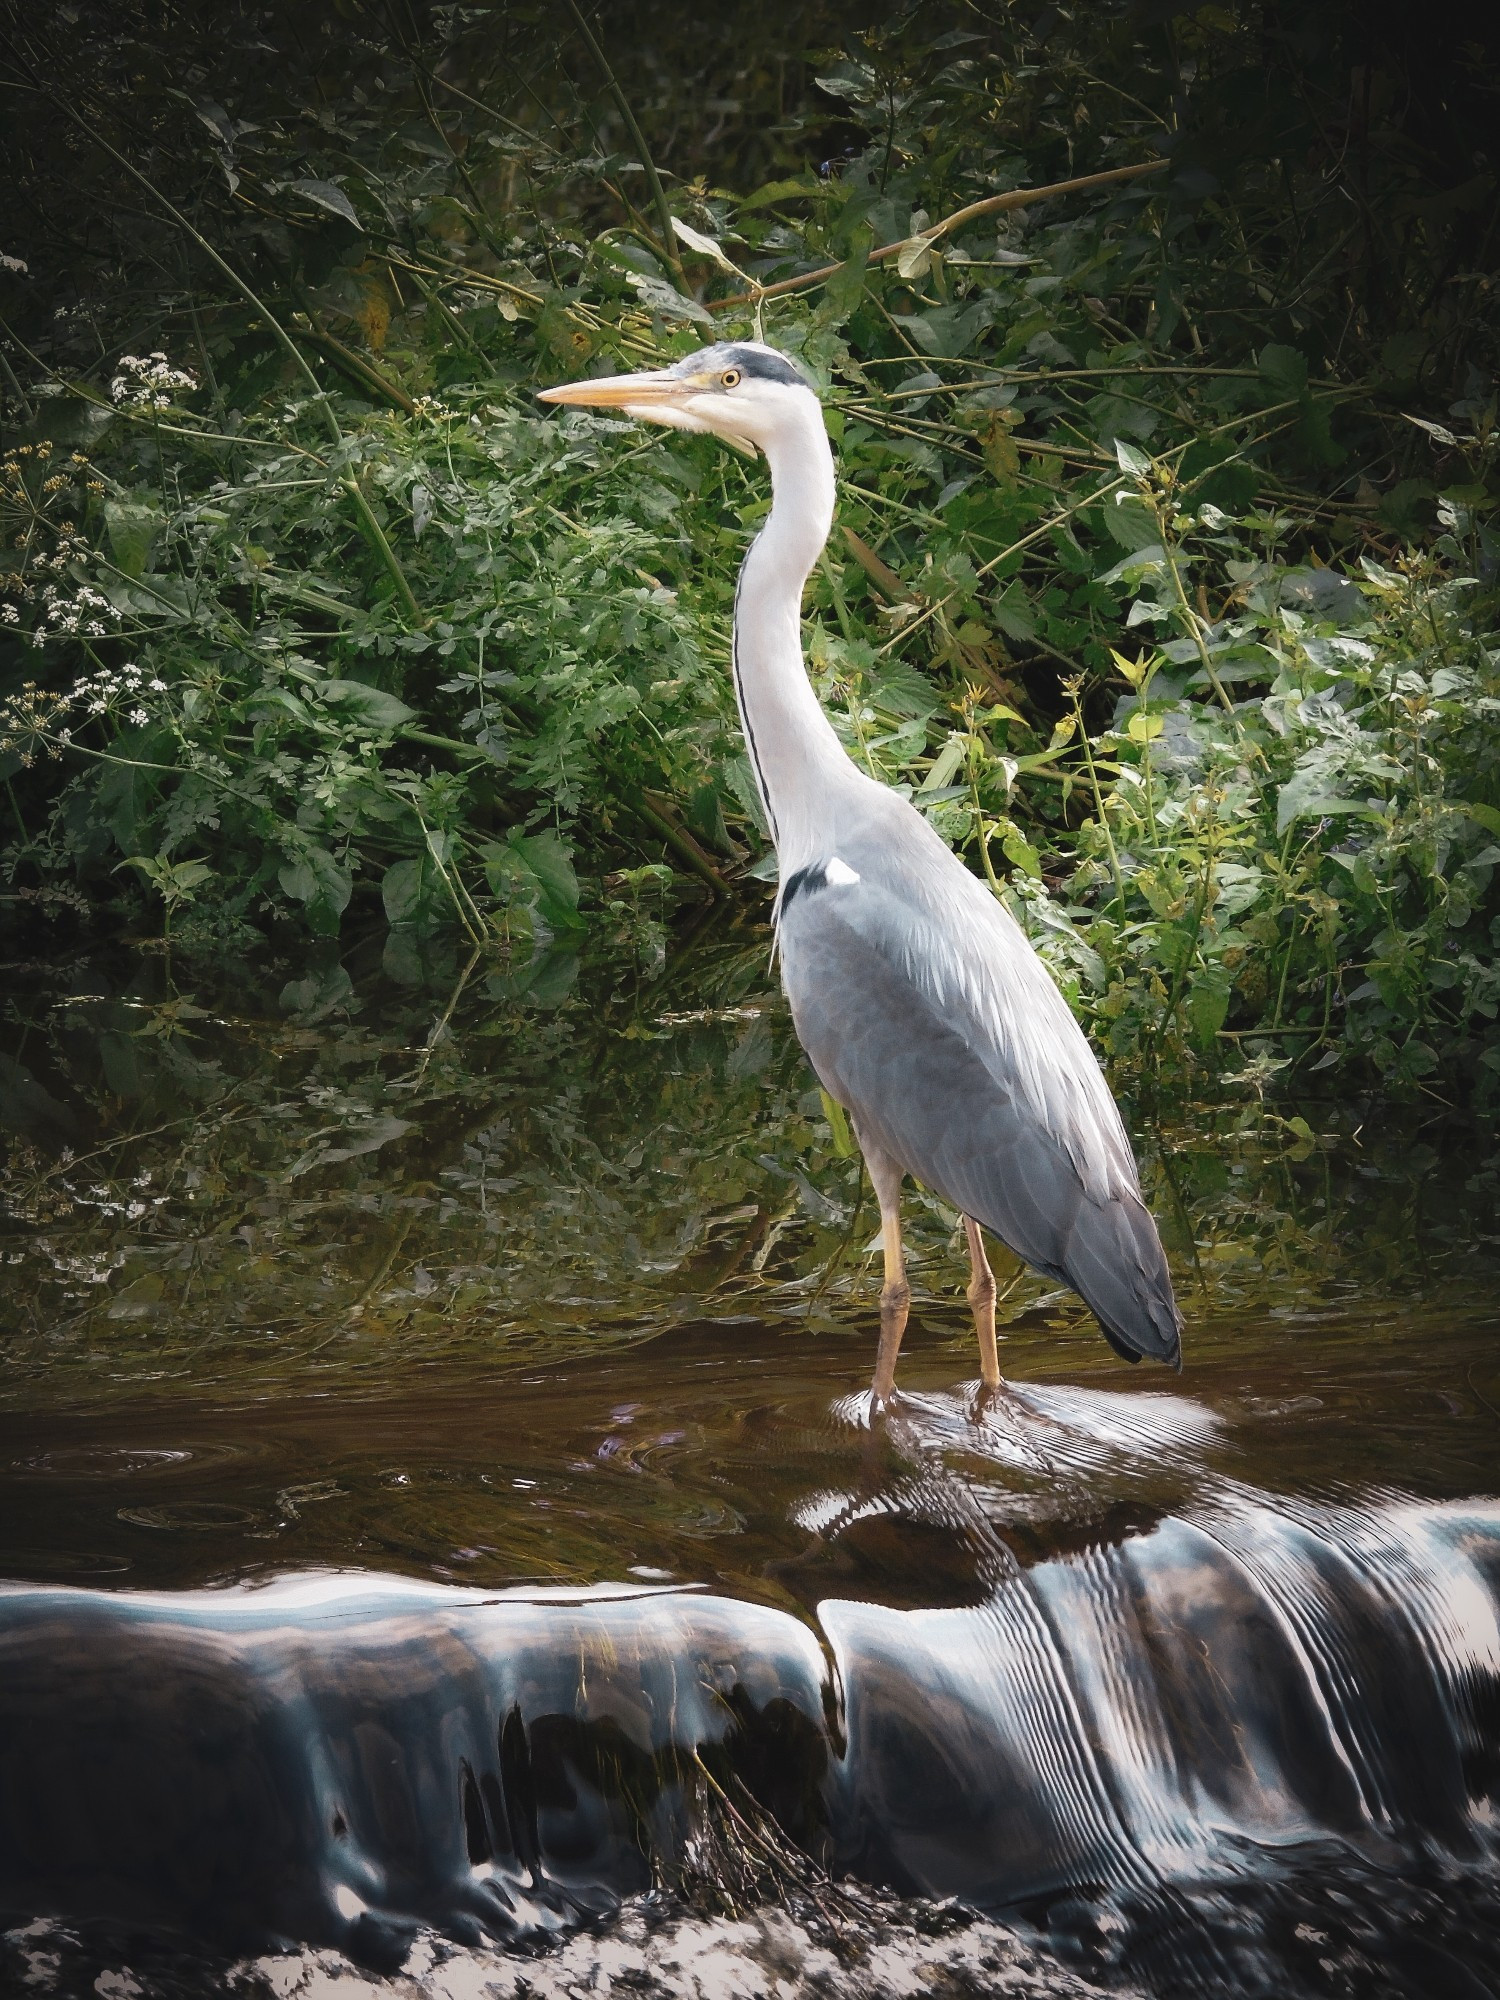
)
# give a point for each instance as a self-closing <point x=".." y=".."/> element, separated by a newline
<point x="1044" y="1172"/>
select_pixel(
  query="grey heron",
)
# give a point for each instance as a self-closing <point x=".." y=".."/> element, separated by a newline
<point x="917" y="997"/>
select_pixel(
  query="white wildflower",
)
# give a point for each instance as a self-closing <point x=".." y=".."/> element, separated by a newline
<point x="138" y="718"/>
<point x="146" y="384"/>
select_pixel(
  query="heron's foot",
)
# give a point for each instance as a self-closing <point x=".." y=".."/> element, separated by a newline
<point x="895" y="1305"/>
<point x="989" y="1397"/>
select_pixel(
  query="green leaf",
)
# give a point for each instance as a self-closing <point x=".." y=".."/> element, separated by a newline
<point x="1208" y="1004"/>
<point x="407" y="892"/>
<point x="568" y="338"/>
<point x="1139" y="563"/>
<point x="1315" y="428"/>
<point x="1360" y="872"/>
<point x="174" y="881"/>
<point x="946" y="763"/>
<point x="1132" y="459"/>
<point x="131" y="529"/>
<point x="267" y="698"/>
<point x="705" y="246"/>
<point x="1019" y="851"/>
<point x="774" y="191"/>
<point x="1486" y="816"/>
<point x="666" y="299"/>
<point x="844" y="290"/>
<point x="328" y="195"/>
<point x="547" y="856"/>
<point x="315" y="879"/>
<point x="1131" y="523"/>
<point x="360" y="1141"/>
<point x="316" y="995"/>
<point x="365" y="707"/>
<point x="740" y="780"/>
<point x="838" y="1126"/>
<point x="545" y="980"/>
<point x="1013" y="614"/>
<point x="1283" y="369"/>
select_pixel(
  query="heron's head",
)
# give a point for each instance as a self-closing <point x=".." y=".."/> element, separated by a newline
<point x="741" y="391"/>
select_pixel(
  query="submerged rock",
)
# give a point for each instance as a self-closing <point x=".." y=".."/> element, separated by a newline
<point x="653" y="1950"/>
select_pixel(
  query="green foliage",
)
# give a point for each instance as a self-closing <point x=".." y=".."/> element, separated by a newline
<point x="1165" y="563"/>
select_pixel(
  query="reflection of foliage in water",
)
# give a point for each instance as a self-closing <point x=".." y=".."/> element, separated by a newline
<point x="519" y="1161"/>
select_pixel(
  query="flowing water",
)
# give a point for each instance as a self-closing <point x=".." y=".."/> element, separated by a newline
<point x="446" y="1534"/>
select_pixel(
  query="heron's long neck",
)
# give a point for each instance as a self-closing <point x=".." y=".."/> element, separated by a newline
<point x="794" y="752"/>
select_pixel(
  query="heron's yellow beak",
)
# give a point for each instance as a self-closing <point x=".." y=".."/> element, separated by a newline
<point x="653" y="388"/>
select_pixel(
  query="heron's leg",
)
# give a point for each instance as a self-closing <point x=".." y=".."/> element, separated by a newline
<point x="982" y="1305"/>
<point x="895" y="1297"/>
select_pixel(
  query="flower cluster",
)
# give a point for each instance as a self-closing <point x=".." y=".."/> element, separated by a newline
<point x="28" y="723"/>
<point x="112" y="689"/>
<point x="36" y="718"/>
<point x="147" y="384"/>
<point x="37" y="485"/>
<point x="81" y="616"/>
<point x="70" y="546"/>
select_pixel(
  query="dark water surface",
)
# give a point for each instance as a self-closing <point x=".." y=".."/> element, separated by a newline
<point x="438" y="1496"/>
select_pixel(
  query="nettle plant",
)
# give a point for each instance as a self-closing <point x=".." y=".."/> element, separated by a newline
<point x="1283" y="838"/>
<point x="261" y="718"/>
<point x="1290" y="831"/>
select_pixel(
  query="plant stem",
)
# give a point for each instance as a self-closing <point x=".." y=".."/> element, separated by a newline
<point x="1193" y="622"/>
<point x="648" y="165"/>
<point x="686" y="850"/>
<point x="994" y="204"/>
<point x="375" y="535"/>
<point x="1104" y="825"/>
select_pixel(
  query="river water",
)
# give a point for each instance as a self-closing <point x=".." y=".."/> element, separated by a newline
<point x="448" y="1549"/>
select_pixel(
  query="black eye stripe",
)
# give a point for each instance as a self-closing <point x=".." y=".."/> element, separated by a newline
<point x="748" y="362"/>
<point x="770" y="367"/>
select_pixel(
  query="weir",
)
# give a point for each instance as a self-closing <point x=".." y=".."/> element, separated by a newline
<point x="1149" y="1752"/>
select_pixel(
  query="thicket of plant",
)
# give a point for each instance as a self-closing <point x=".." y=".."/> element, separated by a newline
<point x="1165" y="571"/>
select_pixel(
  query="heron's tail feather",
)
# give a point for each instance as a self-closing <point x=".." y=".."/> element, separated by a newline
<point x="1116" y="1264"/>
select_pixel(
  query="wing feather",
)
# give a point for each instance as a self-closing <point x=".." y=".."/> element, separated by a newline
<point x="946" y="1038"/>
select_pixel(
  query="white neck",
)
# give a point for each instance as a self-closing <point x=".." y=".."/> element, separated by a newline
<point x="793" y="750"/>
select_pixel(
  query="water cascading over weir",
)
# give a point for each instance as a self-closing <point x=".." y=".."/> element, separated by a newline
<point x="1143" y="1749"/>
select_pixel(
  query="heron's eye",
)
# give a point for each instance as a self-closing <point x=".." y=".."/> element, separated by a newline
<point x="730" y="379"/>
